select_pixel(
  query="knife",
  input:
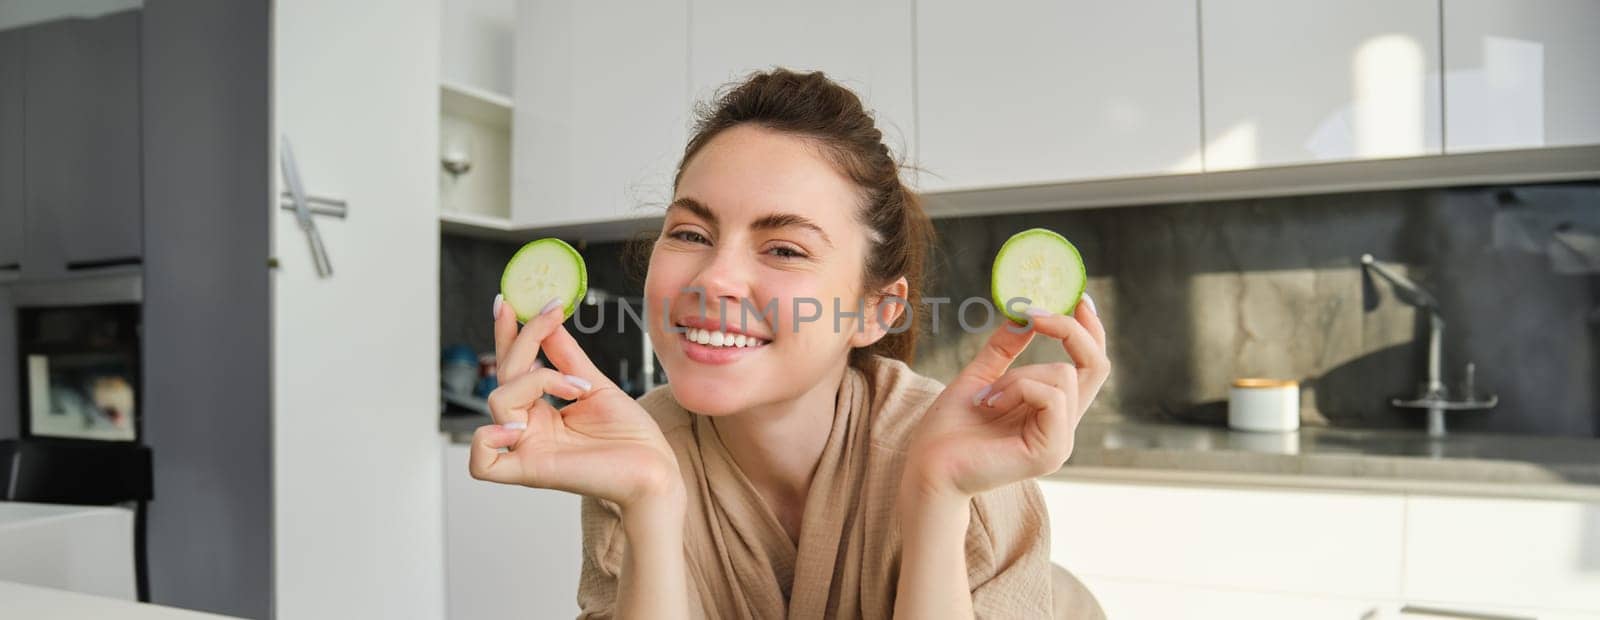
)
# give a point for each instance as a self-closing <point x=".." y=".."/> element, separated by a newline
<point x="302" y="210"/>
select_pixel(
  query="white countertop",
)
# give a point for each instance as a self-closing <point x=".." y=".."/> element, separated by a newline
<point x="25" y="601"/>
<point x="1382" y="461"/>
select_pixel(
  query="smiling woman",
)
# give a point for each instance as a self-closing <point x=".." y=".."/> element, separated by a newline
<point x="796" y="466"/>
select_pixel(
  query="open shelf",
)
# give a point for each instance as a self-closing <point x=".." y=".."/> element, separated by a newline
<point x="478" y="202"/>
<point x="475" y="104"/>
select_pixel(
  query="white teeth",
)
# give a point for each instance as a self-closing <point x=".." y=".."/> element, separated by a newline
<point x="720" y="339"/>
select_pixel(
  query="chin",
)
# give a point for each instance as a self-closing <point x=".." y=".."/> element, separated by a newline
<point x="705" y="395"/>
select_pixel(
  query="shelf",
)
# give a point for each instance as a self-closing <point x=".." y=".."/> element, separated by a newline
<point x="474" y="220"/>
<point x="474" y="104"/>
<point x="476" y="225"/>
<point x="478" y="202"/>
<point x="497" y="228"/>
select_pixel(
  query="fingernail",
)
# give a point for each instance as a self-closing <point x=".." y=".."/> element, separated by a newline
<point x="977" y="399"/>
<point x="515" y="426"/>
<point x="1037" y="311"/>
<point x="554" y="303"/>
<point x="499" y="300"/>
<point x="578" y="382"/>
<point x="993" y="398"/>
<point x="1089" y="301"/>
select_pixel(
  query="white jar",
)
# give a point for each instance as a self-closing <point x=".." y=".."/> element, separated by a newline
<point x="1270" y="405"/>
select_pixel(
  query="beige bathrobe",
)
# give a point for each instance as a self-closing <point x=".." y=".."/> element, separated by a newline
<point x="741" y="563"/>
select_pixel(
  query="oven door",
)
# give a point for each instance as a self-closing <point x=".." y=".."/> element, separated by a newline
<point x="80" y="371"/>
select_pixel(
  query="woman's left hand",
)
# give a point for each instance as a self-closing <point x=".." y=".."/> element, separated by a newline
<point x="993" y="426"/>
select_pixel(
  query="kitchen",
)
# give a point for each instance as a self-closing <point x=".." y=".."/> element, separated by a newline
<point x="1223" y="166"/>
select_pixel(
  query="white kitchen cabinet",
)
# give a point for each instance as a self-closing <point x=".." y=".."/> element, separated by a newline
<point x="510" y="551"/>
<point x="1340" y="545"/>
<point x="1521" y="74"/>
<point x="1034" y="91"/>
<point x="1138" y="600"/>
<point x="866" y="46"/>
<point x="1301" y="81"/>
<point x="1156" y="551"/>
<point x="478" y="44"/>
<point x="1524" y="553"/>
<point x="601" y="109"/>
<point x="356" y="493"/>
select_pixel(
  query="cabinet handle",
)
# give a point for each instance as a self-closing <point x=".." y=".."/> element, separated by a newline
<point x="1458" y="613"/>
<point x="11" y="267"/>
<point x="81" y="265"/>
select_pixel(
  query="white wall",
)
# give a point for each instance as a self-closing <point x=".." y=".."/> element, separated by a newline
<point x="15" y="13"/>
<point x="479" y="37"/>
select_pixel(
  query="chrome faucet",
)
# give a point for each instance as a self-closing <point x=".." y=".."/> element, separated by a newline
<point x="1434" y="398"/>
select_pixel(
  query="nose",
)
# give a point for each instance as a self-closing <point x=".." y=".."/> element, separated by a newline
<point x="726" y="277"/>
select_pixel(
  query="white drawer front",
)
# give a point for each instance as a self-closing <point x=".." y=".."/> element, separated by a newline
<point x="1524" y="553"/>
<point x="1133" y="600"/>
<point x="1293" y="542"/>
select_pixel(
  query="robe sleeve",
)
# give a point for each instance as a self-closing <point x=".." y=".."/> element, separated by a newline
<point x="602" y="559"/>
<point x="1008" y="553"/>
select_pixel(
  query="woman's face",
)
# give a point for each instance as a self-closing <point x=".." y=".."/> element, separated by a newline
<point x="759" y="220"/>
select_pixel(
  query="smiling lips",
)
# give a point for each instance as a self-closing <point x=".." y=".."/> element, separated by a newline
<point x="704" y="342"/>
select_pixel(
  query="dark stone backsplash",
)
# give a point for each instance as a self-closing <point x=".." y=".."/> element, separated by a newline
<point x="1196" y="294"/>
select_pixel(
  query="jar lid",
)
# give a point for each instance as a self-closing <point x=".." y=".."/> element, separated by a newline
<point x="1257" y="382"/>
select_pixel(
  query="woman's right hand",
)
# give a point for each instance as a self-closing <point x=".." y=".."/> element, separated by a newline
<point x="602" y="445"/>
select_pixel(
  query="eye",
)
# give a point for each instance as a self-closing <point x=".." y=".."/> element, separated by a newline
<point x="689" y="236"/>
<point x="783" y="251"/>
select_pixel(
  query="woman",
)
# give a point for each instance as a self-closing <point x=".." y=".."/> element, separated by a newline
<point x="795" y="467"/>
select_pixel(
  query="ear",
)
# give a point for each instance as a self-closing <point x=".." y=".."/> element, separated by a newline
<point x="882" y="313"/>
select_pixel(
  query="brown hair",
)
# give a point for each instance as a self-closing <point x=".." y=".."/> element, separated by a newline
<point x="812" y="106"/>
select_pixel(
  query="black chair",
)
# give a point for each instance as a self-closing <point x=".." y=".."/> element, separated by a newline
<point x="82" y="473"/>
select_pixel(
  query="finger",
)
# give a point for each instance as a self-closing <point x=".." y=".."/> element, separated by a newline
<point x="1089" y="316"/>
<point x="997" y="354"/>
<point x="1015" y="389"/>
<point x="486" y="462"/>
<point x="1086" y="352"/>
<point x="565" y="354"/>
<point x="510" y="401"/>
<point x="1058" y="374"/>
<point x="505" y="327"/>
<point x="1051" y="432"/>
<point x="525" y="349"/>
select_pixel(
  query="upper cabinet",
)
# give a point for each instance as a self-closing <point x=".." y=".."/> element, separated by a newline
<point x="81" y="143"/>
<point x="11" y="152"/>
<point x="601" y="109"/>
<point x="1037" y="91"/>
<point x="477" y="45"/>
<point x="1521" y="73"/>
<point x="1024" y="105"/>
<point x="1301" y="81"/>
<point x="864" y="45"/>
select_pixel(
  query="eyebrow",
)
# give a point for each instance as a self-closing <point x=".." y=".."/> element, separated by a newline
<point x="771" y="221"/>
